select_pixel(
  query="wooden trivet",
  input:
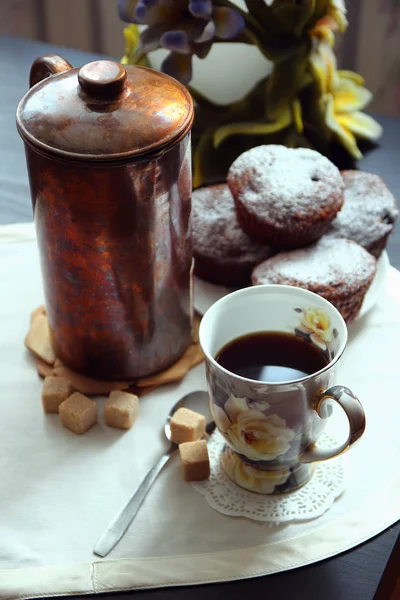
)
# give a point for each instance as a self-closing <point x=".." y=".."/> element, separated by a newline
<point x="38" y="343"/>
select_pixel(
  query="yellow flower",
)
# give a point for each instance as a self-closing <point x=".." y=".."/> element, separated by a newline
<point x="317" y="325"/>
<point x="335" y="19"/>
<point x="254" y="480"/>
<point x="317" y="322"/>
<point x="324" y="30"/>
<point x="337" y="11"/>
<point x="131" y="35"/>
<point x="252" y="433"/>
<point x="342" y="97"/>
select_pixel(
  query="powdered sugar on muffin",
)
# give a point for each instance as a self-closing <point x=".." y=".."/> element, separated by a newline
<point x="369" y="211"/>
<point x="286" y="195"/>
<point x="223" y="252"/>
<point x="337" y="269"/>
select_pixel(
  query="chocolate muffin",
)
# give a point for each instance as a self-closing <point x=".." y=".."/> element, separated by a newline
<point x="337" y="269"/>
<point x="285" y="197"/>
<point x="368" y="214"/>
<point x="223" y="253"/>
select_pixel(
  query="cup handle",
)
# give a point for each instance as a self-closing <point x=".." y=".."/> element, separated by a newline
<point x="47" y="65"/>
<point x="355" y="414"/>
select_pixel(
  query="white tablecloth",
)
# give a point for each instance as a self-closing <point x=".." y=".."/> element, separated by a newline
<point x="58" y="491"/>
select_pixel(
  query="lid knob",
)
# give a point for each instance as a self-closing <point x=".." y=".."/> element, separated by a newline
<point x="102" y="78"/>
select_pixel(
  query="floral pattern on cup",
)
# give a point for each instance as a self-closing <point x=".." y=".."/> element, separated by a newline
<point x="269" y="427"/>
<point x="251" y="432"/>
<point x="249" y="478"/>
<point x="315" y="327"/>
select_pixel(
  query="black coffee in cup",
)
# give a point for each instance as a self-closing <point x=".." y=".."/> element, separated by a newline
<point x="271" y="356"/>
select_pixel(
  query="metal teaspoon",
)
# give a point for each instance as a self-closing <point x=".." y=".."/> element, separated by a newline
<point x="197" y="401"/>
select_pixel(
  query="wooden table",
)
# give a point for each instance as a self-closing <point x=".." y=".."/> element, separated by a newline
<point x="353" y="575"/>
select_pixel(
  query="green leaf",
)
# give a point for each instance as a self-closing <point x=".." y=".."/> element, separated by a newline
<point x="251" y="128"/>
<point x="261" y="12"/>
<point x="293" y="139"/>
<point x="241" y="38"/>
<point x="295" y="18"/>
<point x="253" y="104"/>
<point x="314" y="110"/>
<point x="286" y="81"/>
<point x="297" y="116"/>
<point x="201" y="158"/>
<point x="319" y="11"/>
<point x="278" y="44"/>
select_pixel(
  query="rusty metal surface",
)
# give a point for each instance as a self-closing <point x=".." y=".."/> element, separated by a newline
<point x="44" y="66"/>
<point x="98" y="113"/>
<point x="108" y="157"/>
<point x="116" y="255"/>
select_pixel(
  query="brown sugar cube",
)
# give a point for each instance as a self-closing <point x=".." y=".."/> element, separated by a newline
<point x="43" y="368"/>
<point x="78" y="413"/>
<point x="40" y="310"/>
<point x="38" y="339"/>
<point x="121" y="410"/>
<point x="55" y="391"/>
<point x="194" y="460"/>
<point x="187" y="426"/>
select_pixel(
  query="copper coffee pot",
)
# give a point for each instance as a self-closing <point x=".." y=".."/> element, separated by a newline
<point x="108" y="155"/>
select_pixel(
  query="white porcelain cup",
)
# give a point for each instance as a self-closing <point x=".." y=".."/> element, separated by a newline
<point x="271" y="429"/>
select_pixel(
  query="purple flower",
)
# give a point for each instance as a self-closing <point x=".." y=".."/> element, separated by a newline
<point x="185" y="27"/>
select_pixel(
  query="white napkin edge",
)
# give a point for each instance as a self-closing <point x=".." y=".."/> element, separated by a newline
<point x="146" y="573"/>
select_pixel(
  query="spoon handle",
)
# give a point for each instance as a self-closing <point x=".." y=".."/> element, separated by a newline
<point x="120" y="523"/>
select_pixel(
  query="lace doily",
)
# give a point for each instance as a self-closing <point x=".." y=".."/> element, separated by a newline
<point x="308" y="502"/>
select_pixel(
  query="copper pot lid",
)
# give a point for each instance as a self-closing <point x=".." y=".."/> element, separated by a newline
<point x="103" y="111"/>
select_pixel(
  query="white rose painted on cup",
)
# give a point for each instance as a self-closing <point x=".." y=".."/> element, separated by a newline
<point x="317" y="325"/>
<point x="252" y="433"/>
<point x="261" y="482"/>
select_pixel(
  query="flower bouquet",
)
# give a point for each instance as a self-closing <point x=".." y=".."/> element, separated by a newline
<point x="305" y="100"/>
